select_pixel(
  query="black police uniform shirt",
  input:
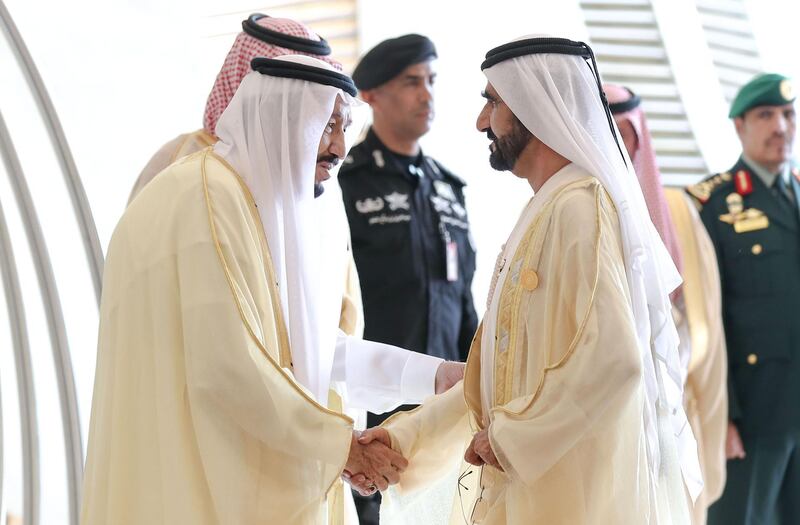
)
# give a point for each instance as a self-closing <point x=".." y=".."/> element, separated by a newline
<point x="758" y="251"/>
<point x="407" y="222"/>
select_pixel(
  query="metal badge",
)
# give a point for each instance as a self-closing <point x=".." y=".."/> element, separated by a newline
<point x="743" y="220"/>
<point x="759" y="222"/>
<point x="787" y="90"/>
<point x="414" y="170"/>
<point x="735" y="208"/>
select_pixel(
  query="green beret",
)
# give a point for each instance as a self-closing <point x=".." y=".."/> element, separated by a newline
<point x="769" y="89"/>
<point x="389" y="58"/>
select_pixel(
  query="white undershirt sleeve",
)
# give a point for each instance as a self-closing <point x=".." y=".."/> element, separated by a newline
<point x="381" y="377"/>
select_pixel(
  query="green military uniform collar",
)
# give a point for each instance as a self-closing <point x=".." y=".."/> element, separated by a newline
<point x="765" y="175"/>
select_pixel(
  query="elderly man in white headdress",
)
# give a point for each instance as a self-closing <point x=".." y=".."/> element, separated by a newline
<point x="221" y="371"/>
<point x="267" y="37"/>
<point x="261" y="36"/>
<point x="573" y="383"/>
<point x="697" y="304"/>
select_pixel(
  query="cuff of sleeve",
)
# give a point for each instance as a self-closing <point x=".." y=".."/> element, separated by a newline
<point x="339" y="368"/>
<point x="419" y="377"/>
<point x="508" y="468"/>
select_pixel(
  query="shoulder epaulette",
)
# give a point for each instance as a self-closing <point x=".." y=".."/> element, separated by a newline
<point x="702" y="190"/>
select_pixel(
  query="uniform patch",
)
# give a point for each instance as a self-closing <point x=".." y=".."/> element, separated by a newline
<point x="389" y="219"/>
<point x="441" y="205"/>
<point x="433" y="166"/>
<point x="744" y="182"/>
<point x="443" y="189"/>
<point x="454" y="222"/>
<point x="397" y="201"/>
<point x="377" y="155"/>
<point x="369" y="205"/>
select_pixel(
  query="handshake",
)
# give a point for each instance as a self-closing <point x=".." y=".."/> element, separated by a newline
<point x="372" y="464"/>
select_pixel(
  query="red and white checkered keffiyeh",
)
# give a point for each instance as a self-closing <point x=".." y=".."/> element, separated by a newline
<point x="646" y="168"/>
<point x="237" y="63"/>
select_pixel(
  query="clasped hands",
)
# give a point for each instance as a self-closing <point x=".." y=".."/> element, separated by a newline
<point x="372" y="464"/>
<point x="479" y="452"/>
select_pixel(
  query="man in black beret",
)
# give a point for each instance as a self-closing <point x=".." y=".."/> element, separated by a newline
<point x="752" y="215"/>
<point x="408" y="221"/>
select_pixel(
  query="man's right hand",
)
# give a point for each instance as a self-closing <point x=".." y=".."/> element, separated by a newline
<point x="377" y="462"/>
<point x="734" y="448"/>
<point x="448" y="374"/>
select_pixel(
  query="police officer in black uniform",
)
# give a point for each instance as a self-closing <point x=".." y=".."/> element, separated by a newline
<point x="752" y="216"/>
<point x="408" y="221"/>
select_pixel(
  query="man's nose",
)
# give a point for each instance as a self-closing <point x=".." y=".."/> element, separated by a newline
<point x="483" y="120"/>
<point x="426" y="92"/>
<point x="782" y="125"/>
<point x="337" y="146"/>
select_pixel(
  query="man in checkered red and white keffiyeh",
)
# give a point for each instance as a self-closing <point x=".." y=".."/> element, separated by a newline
<point x="288" y="38"/>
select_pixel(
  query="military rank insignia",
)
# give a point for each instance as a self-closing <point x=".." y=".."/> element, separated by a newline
<point x="743" y="220"/>
<point x="744" y="184"/>
<point x="702" y="191"/>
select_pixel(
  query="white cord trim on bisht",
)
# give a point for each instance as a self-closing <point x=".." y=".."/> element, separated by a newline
<point x="556" y="97"/>
<point x="270" y="134"/>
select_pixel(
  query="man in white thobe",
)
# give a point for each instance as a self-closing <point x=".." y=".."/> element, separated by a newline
<point x="571" y="402"/>
<point x="221" y="371"/>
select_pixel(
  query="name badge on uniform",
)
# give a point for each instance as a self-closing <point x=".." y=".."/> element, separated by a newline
<point x="451" y="249"/>
<point x="450" y="254"/>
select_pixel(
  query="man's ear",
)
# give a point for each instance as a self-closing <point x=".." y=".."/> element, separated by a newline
<point x="739" y="124"/>
<point x="368" y="96"/>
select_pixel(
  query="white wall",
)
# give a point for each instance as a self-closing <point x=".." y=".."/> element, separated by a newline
<point x="125" y="77"/>
<point x="775" y="28"/>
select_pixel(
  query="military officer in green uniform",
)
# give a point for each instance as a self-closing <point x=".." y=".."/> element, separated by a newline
<point x="752" y="216"/>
